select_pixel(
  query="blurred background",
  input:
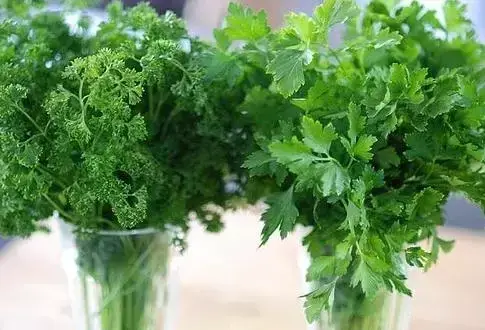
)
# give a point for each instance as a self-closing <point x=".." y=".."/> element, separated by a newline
<point x="224" y="281"/>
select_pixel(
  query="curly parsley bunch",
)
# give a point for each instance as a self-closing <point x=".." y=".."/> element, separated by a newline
<point x="363" y="141"/>
<point x="117" y="130"/>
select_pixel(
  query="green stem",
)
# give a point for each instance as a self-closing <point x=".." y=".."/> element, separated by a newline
<point x="334" y="54"/>
<point x="84" y="284"/>
<point x="160" y="102"/>
<point x="128" y="308"/>
<point x="33" y="123"/>
<point x="82" y="104"/>
<point x="430" y="171"/>
<point x="150" y="101"/>
<point x="167" y="122"/>
<point x="154" y="110"/>
<point x="327" y="159"/>
<point x="178" y="65"/>
<point x="70" y="93"/>
<point x="59" y="209"/>
<point x="350" y="162"/>
<point x="46" y="171"/>
<point x="96" y="138"/>
<point x="360" y="58"/>
<point x="31" y="138"/>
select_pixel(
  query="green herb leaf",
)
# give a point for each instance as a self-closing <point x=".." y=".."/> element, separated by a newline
<point x="445" y="245"/>
<point x="321" y="267"/>
<point x="328" y="266"/>
<point x="363" y="147"/>
<point x="335" y="179"/>
<point x="221" y="66"/>
<point x="388" y="157"/>
<point x="257" y="158"/>
<point x="302" y="25"/>
<point x="455" y="17"/>
<point x="282" y="213"/>
<point x="386" y="39"/>
<point x="356" y="122"/>
<point x="287" y="69"/>
<point x="244" y="24"/>
<point x="293" y="153"/>
<point x="333" y="12"/>
<point x="368" y="279"/>
<point x="318" y="300"/>
<point x="399" y="78"/>
<point x="318" y="138"/>
<point x="315" y="99"/>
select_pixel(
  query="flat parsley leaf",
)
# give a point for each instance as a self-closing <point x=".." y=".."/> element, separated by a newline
<point x="387" y="125"/>
<point x="356" y="122"/>
<point x="335" y="179"/>
<point x="333" y="12"/>
<point x="388" y="157"/>
<point x="315" y="99"/>
<point x="287" y="69"/>
<point x="318" y="300"/>
<point x="363" y="146"/>
<point x="244" y="24"/>
<point x="293" y="153"/>
<point x="455" y="17"/>
<point x="282" y="213"/>
<point x="370" y="281"/>
<point x="302" y="25"/>
<point x="318" y="138"/>
<point x="257" y="158"/>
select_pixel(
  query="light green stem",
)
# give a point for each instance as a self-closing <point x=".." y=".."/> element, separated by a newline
<point x="84" y="284"/>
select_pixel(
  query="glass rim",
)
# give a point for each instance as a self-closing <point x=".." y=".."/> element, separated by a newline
<point x="127" y="232"/>
<point x="114" y="232"/>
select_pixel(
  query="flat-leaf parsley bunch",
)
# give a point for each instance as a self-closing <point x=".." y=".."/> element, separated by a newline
<point x="363" y="141"/>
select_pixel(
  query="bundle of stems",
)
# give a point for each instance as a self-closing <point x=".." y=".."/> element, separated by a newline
<point x="124" y="279"/>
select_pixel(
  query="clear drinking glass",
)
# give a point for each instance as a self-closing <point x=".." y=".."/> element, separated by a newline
<point x="353" y="311"/>
<point x="118" y="280"/>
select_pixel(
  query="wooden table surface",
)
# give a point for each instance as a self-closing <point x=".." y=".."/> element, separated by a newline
<point x="225" y="282"/>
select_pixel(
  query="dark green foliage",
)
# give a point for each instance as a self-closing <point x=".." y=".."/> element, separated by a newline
<point x="386" y="126"/>
<point x="35" y="50"/>
<point x="117" y="130"/>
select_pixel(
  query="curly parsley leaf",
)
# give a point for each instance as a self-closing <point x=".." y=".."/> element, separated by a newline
<point x="111" y="128"/>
